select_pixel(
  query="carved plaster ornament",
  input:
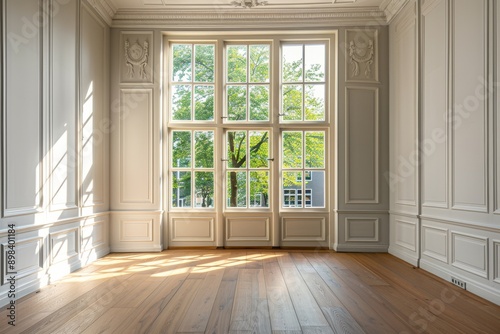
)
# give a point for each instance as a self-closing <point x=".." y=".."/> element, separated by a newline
<point x="362" y="52"/>
<point x="136" y="55"/>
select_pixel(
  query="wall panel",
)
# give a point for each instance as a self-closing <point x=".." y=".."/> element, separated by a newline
<point x="361" y="229"/>
<point x="195" y="229"/>
<point x="64" y="106"/>
<point x="470" y="253"/>
<point x="248" y="229"/>
<point x="362" y="146"/>
<point x="136" y="146"/>
<point x="23" y="145"/>
<point x="29" y="258"/>
<point x="95" y="127"/>
<point x="434" y="105"/>
<point x="435" y="243"/>
<point x="64" y="246"/>
<point x="405" y="234"/>
<point x="496" y="115"/>
<point x="469" y="130"/>
<point x="303" y="229"/>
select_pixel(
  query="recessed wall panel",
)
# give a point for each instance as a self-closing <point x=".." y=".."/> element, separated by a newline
<point x="22" y="119"/>
<point x="470" y="253"/>
<point x="247" y="229"/>
<point x="64" y="245"/>
<point x="406" y="234"/>
<point x="29" y="258"/>
<point x="136" y="146"/>
<point x="434" y="105"/>
<point x="303" y="229"/>
<point x="362" y="145"/>
<point x="192" y="229"/>
<point x="93" y="90"/>
<point x="362" y="229"/>
<point x="63" y="120"/>
<point x="469" y="130"/>
<point x="136" y="229"/>
<point x="435" y="243"/>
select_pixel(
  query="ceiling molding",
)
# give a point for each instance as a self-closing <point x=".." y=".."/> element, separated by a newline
<point x="255" y="19"/>
<point x="391" y="8"/>
<point x="104" y="8"/>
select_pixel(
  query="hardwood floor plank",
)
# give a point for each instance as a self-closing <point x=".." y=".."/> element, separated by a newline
<point x="281" y="311"/>
<point x="109" y="321"/>
<point x="250" y="310"/>
<point x="306" y="308"/>
<point x="198" y="313"/>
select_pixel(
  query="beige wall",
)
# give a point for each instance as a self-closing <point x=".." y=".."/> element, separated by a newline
<point x="55" y="164"/>
<point x="444" y="142"/>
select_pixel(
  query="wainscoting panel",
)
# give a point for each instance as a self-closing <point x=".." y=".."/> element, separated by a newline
<point x="197" y="229"/>
<point x="362" y="170"/>
<point x="64" y="246"/>
<point x="303" y="229"/>
<point x="405" y="234"/>
<point x="470" y="135"/>
<point x="361" y="229"/>
<point x="248" y="229"/>
<point x="496" y="261"/>
<point x="470" y="253"/>
<point x="435" y="243"/>
<point x="136" y="231"/>
<point x="28" y="258"/>
<point x="22" y="139"/>
<point x="434" y="155"/>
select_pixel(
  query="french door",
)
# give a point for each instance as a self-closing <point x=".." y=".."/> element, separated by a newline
<point x="248" y="135"/>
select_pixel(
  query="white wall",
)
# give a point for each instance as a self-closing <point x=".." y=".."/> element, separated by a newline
<point x="55" y="139"/>
<point x="444" y="210"/>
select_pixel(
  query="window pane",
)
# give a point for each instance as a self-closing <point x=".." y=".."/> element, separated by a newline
<point x="292" y="63"/>
<point x="259" y="189"/>
<point x="259" y="63"/>
<point x="182" y="60"/>
<point x="236" y="189"/>
<point x="181" y="189"/>
<point x="292" y="190"/>
<point x="236" y="149"/>
<point x="236" y="63"/>
<point x="204" y="149"/>
<point x="259" y="149"/>
<point x="315" y="190"/>
<point x="292" y="149"/>
<point x="315" y="149"/>
<point x="181" y="102"/>
<point x="259" y="103"/>
<point x="204" y="64"/>
<point x="181" y="149"/>
<point x="204" y="103"/>
<point x="204" y="187"/>
<point x="292" y="102"/>
<point x="315" y="63"/>
<point x="315" y="102"/>
<point x="237" y="103"/>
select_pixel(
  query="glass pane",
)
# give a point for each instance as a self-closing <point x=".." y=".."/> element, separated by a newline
<point x="181" y="102"/>
<point x="204" y="188"/>
<point x="181" y="189"/>
<point x="315" y="190"/>
<point x="292" y="149"/>
<point x="181" y="149"/>
<point x="292" y="102"/>
<point x="204" y="103"/>
<point x="259" y="63"/>
<point x="292" y="66"/>
<point x="292" y="190"/>
<point x="204" y="63"/>
<point x="236" y="149"/>
<point x="204" y="149"/>
<point x="259" y="149"/>
<point x="259" y="189"/>
<point x="259" y="103"/>
<point x="237" y="103"/>
<point x="315" y="149"/>
<point x="236" y="189"/>
<point x="315" y="102"/>
<point x="236" y="63"/>
<point x="315" y="62"/>
<point x="182" y="60"/>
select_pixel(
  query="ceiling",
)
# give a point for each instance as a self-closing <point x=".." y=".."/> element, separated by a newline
<point x="226" y="4"/>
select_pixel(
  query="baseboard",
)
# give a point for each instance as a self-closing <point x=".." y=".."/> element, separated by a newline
<point x="411" y="259"/>
<point x="364" y="248"/>
<point x="136" y="249"/>
<point x="475" y="287"/>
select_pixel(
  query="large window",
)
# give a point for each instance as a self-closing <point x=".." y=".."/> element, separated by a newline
<point x="248" y="124"/>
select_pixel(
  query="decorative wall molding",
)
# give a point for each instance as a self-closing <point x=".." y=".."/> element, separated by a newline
<point x="362" y="229"/>
<point x="137" y="57"/>
<point x="104" y="8"/>
<point x="261" y="19"/>
<point x="64" y="246"/>
<point x="294" y="229"/>
<point x="362" y="55"/>
<point x="405" y="234"/>
<point x="496" y="261"/>
<point x="248" y="229"/>
<point x="366" y="115"/>
<point x="29" y="258"/>
<point x="197" y="229"/>
<point x="435" y="243"/>
<point x="391" y="8"/>
<point x="470" y="253"/>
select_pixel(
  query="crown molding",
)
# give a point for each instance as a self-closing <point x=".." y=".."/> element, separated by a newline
<point x="255" y="19"/>
<point x="391" y="8"/>
<point x="104" y="8"/>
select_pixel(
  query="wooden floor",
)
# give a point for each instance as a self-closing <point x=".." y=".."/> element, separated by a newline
<point x="252" y="291"/>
